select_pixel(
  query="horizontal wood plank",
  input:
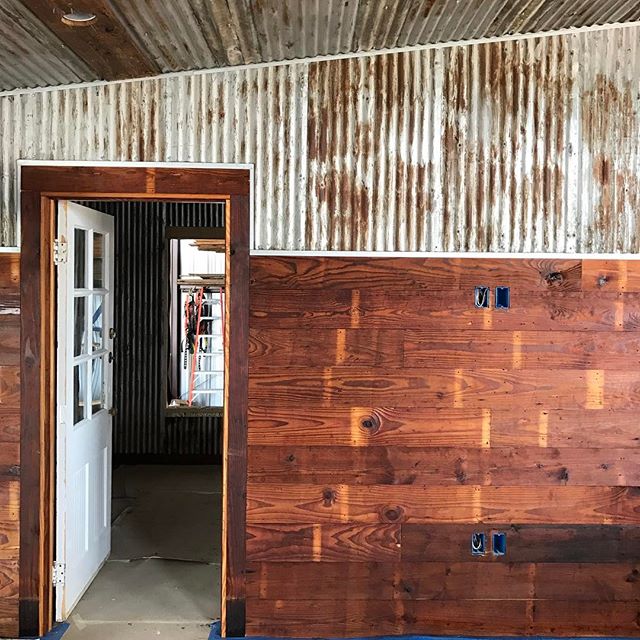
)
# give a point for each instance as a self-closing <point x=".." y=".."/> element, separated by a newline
<point x="9" y="271"/>
<point x="278" y="348"/>
<point x="433" y="311"/>
<point x="537" y="543"/>
<point x="9" y="425"/>
<point x="434" y="274"/>
<point x="9" y="303"/>
<point x="338" y="580"/>
<point x="9" y="340"/>
<point x="474" y="349"/>
<point x="9" y="387"/>
<point x="375" y="504"/>
<point x="347" y="618"/>
<point x="611" y="275"/>
<point x="444" y="466"/>
<point x="323" y="543"/>
<point x="423" y="427"/>
<point x="417" y="387"/>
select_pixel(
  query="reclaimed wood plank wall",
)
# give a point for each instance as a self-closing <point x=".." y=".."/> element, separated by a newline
<point x="9" y="441"/>
<point x="389" y="419"/>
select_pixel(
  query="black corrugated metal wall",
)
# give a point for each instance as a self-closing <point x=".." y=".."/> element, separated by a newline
<point x="140" y="428"/>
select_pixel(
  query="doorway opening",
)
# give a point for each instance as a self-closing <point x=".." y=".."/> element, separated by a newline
<point x="141" y="314"/>
<point x="140" y="387"/>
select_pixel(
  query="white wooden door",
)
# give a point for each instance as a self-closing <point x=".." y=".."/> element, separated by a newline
<point x="83" y="442"/>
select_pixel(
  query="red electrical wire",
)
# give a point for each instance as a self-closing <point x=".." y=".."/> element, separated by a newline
<point x="223" y="339"/>
<point x="195" y="348"/>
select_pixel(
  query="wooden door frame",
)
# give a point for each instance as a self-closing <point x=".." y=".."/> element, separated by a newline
<point x="41" y="185"/>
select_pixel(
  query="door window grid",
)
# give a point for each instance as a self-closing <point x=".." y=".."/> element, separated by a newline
<point x="89" y="331"/>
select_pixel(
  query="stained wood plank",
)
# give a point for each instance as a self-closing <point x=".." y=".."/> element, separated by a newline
<point x="133" y="182"/>
<point x="581" y="428"/>
<point x="475" y="349"/>
<point x="433" y="274"/>
<point x="495" y="389"/>
<point x="9" y="273"/>
<point x="323" y="543"/>
<point x="9" y="387"/>
<point x="611" y="275"/>
<point x="424" y="427"/>
<point x="462" y="504"/>
<point x="235" y="417"/>
<point x="443" y="466"/>
<point x="278" y="348"/>
<point x="587" y="582"/>
<point x="106" y="46"/>
<point x="431" y="310"/>
<point x="358" y="426"/>
<point x="9" y="425"/>
<point x="9" y="579"/>
<point x="570" y="618"/>
<point x="9" y="340"/>
<point x="537" y="543"/>
<point x="9" y="303"/>
<point x="309" y="618"/>
<point x="338" y="580"/>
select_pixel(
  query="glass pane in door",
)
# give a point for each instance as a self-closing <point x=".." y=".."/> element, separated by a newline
<point x="97" y="382"/>
<point x="98" y="261"/>
<point x="79" y="326"/>
<point x="80" y="259"/>
<point x="97" y="323"/>
<point x="79" y="392"/>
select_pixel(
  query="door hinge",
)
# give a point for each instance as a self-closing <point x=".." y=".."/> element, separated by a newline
<point x="57" y="573"/>
<point x="60" y="251"/>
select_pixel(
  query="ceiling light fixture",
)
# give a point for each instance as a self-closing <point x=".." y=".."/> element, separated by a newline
<point x="78" y="19"/>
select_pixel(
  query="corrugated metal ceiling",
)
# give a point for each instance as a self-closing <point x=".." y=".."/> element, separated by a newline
<point x="199" y="34"/>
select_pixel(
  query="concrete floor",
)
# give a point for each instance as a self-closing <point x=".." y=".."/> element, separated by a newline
<point x="163" y="576"/>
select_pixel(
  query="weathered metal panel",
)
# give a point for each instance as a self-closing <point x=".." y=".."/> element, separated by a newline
<point x="139" y="426"/>
<point x="255" y="115"/>
<point x="527" y="145"/>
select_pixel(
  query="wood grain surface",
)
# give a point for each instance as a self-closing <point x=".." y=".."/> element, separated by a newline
<point x="9" y="442"/>
<point x="390" y="420"/>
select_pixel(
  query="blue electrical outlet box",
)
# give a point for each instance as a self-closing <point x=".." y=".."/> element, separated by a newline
<point x="478" y="543"/>
<point x="503" y="298"/>
<point x="499" y="543"/>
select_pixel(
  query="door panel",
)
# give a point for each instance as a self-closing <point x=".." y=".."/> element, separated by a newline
<point x="83" y="441"/>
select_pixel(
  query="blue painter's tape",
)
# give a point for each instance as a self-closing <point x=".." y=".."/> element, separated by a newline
<point x="57" y="632"/>
<point x="215" y="635"/>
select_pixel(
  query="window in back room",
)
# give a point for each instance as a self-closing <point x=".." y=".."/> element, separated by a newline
<point x="196" y="324"/>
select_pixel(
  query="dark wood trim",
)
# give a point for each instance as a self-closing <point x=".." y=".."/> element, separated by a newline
<point x="41" y="187"/>
<point x="235" y="417"/>
<point x="196" y="233"/>
<point x="135" y="183"/>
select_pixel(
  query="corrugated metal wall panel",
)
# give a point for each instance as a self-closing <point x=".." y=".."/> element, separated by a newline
<point x="139" y="426"/>
<point x="528" y="145"/>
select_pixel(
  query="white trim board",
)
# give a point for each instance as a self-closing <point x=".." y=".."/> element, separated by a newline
<point x="337" y="56"/>
<point x="446" y="254"/>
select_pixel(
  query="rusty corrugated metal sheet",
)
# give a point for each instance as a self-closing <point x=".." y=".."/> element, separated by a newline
<point x="140" y="427"/>
<point x="529" y="145"/>
<point x="254" y="115"/>
<point x="202" y="34"/>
